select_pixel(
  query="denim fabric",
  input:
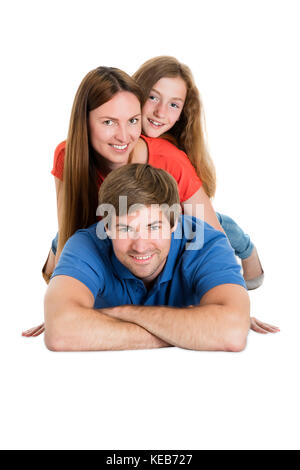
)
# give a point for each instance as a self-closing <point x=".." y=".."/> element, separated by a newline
<point x="54" y="244"/>
<point x="238" y="239"/>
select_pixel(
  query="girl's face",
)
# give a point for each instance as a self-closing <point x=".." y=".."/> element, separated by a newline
<point x="114" y="128"/>
<point x="164" y="105"/>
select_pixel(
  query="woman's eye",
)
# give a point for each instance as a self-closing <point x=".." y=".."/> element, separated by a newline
<point x="108" y="122"/>
<point x="154" y="227"/>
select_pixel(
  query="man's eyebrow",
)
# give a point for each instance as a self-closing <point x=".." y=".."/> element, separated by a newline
<point x="173" y="98"/>
<point x="116" y="119"/>
<point x="157" y="222"/>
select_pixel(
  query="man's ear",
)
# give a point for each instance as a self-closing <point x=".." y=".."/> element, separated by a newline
<point x="175" y="226"/>
<point x="108" y="232"/>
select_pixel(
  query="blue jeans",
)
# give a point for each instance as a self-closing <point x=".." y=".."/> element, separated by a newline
<point x="238" y="239"/>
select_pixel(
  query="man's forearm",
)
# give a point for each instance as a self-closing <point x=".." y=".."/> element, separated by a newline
<point x="86" y="329"/>
<point x="208" y="327"/>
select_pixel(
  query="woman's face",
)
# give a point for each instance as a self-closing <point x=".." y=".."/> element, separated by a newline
<point x="115" y="127"/>
<point x="164" y="105"/>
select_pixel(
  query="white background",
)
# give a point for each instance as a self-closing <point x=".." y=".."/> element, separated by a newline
<point x="245" y="59"/>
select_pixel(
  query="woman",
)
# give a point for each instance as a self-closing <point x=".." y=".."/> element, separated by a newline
<point x="104" y="128"/>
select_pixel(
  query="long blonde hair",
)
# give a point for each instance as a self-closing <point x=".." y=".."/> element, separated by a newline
<point x="188" y="133"/>
<point x="80" y="188"/>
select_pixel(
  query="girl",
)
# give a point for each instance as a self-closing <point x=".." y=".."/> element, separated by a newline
<point x="173" y="110"/>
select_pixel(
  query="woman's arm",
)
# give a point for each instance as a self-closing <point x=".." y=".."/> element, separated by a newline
<point x="58" y="187"/>
<point x="52" y="259"/>
<point x="200" y="206"/>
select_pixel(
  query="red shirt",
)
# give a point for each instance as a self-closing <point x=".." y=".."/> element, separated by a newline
<point x="161" y="154"/>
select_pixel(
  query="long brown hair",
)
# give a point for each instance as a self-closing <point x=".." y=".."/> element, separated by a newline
<point x="188" y="132"/>
<point x="80" y="188"/>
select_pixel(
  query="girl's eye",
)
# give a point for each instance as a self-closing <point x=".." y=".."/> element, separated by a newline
<point x="153" y="98"/>
<point x="174" y="105"/>
<point x="108" y="122"/>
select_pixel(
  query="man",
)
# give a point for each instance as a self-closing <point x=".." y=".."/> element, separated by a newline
<point x="147" y="283"/>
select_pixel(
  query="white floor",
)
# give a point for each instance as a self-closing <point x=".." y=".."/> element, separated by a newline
<point x="160" y="399"/>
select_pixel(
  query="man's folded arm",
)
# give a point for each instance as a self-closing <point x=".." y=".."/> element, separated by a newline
<point x="219" y="323"/>
<point x="72" y="324"/>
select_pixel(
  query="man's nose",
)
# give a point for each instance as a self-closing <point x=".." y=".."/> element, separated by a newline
<point x="139" y="243"/>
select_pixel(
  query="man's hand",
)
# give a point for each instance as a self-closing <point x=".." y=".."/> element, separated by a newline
<point x="121" y="312"/>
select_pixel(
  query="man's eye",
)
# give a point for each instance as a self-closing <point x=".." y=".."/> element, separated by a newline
<point x="133" y="121"/>
<point x="124" y="229"/>
<point x="108" y="122"/>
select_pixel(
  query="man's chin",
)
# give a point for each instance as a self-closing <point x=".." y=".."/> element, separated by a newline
<point x="143" y="273"/>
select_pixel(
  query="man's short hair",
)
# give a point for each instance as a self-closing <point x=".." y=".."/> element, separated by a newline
<point x="142" y="185"/>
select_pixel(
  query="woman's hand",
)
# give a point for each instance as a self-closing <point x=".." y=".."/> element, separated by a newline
<point x="263" y="328"/>
<point x="35" y="331"/>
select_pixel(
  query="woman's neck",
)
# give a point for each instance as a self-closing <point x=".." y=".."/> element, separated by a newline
<point x="103" y="165"/>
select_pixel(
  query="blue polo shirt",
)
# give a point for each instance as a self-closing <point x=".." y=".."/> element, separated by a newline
<point x="199" y="259"/>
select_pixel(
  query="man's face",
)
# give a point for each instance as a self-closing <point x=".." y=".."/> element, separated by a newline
<point x="141" y="241"/>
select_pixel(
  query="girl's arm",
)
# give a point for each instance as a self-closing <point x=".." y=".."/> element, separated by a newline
<point x="200" y="206"/>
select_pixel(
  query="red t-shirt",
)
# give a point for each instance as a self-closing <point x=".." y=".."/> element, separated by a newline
<point x="161" y="154"/>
